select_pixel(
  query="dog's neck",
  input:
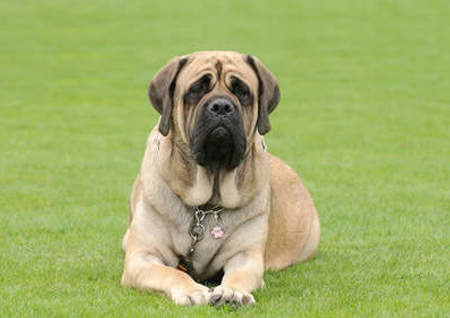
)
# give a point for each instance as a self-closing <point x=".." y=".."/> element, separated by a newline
<point x="216" y="186"/>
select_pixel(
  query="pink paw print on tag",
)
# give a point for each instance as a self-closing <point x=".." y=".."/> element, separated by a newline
<point x="217" y="232"/>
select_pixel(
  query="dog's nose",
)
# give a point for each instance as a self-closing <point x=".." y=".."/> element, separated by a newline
<point x="221" y="107"/>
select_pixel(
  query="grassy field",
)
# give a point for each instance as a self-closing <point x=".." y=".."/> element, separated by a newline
<point x="364" y="119"/>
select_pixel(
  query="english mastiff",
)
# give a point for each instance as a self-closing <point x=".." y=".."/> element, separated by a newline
<point x="209" y="200"/>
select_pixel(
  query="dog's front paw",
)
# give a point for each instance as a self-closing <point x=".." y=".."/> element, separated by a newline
<point x="223" y="295"/>
<point x="199" y="295"/>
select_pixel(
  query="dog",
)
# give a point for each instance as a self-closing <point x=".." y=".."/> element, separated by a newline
<point x="209" y="200"/>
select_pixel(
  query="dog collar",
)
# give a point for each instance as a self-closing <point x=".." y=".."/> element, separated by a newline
<point x="197" y="229"/>
<point x="197" y="233"/>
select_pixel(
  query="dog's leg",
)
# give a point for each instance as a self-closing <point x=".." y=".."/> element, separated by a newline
<point x="243" y="274"/>
<point x="145" y="271"/>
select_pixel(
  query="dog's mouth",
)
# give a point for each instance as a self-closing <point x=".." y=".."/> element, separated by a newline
<point x="218" y="138"/>
<point x="217" y="147"/>
<point x="220" y="146"/>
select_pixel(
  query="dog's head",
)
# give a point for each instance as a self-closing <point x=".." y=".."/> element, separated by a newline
<point x="214" y="102"/>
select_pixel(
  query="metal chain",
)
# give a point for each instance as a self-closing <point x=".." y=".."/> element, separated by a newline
<point x="197" y="229"/>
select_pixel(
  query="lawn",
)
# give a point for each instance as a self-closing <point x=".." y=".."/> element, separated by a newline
<point x="364" y="119"/>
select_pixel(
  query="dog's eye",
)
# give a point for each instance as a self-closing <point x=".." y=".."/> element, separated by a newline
<point x="199" y="88"/>
<point x="241" y="90"/>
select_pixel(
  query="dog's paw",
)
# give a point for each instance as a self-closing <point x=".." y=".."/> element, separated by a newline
<point x="188" y="297"/>
<point x="223" y="295"/>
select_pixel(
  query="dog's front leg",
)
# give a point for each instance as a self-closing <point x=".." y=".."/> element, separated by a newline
<point x="146" y="271"/>
<point x="242" y="274"/>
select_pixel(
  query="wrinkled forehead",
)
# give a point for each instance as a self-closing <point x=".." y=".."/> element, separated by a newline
<point x="215" y="62"/>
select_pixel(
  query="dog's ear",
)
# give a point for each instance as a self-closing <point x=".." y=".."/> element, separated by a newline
<point x="161" y="90"/>
<point x="268" y="93"/>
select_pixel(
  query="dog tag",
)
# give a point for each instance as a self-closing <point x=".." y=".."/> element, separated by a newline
<point x="217" y="232"/>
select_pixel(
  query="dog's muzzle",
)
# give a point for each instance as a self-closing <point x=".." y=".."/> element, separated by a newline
<point x="218" y="138"/>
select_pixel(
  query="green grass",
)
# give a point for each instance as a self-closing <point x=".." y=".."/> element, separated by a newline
<point x="364" y="119"/>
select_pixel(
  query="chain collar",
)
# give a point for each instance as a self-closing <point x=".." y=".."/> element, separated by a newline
<point x="197" y="229"/>
<point x="197" y="232"/>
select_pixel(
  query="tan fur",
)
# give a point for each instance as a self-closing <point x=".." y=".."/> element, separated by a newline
<point x="294" y="228"/>
<point x="269" y="218"/>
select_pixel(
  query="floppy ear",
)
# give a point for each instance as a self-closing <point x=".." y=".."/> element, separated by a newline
<point x="161" y="89"/>
<point x="268" y="93"/>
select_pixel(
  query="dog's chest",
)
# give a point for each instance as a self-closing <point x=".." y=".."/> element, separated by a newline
<point x="198" y="242"/>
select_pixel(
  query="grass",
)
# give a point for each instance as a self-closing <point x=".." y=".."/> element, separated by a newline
<point x="364" y="119"/>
